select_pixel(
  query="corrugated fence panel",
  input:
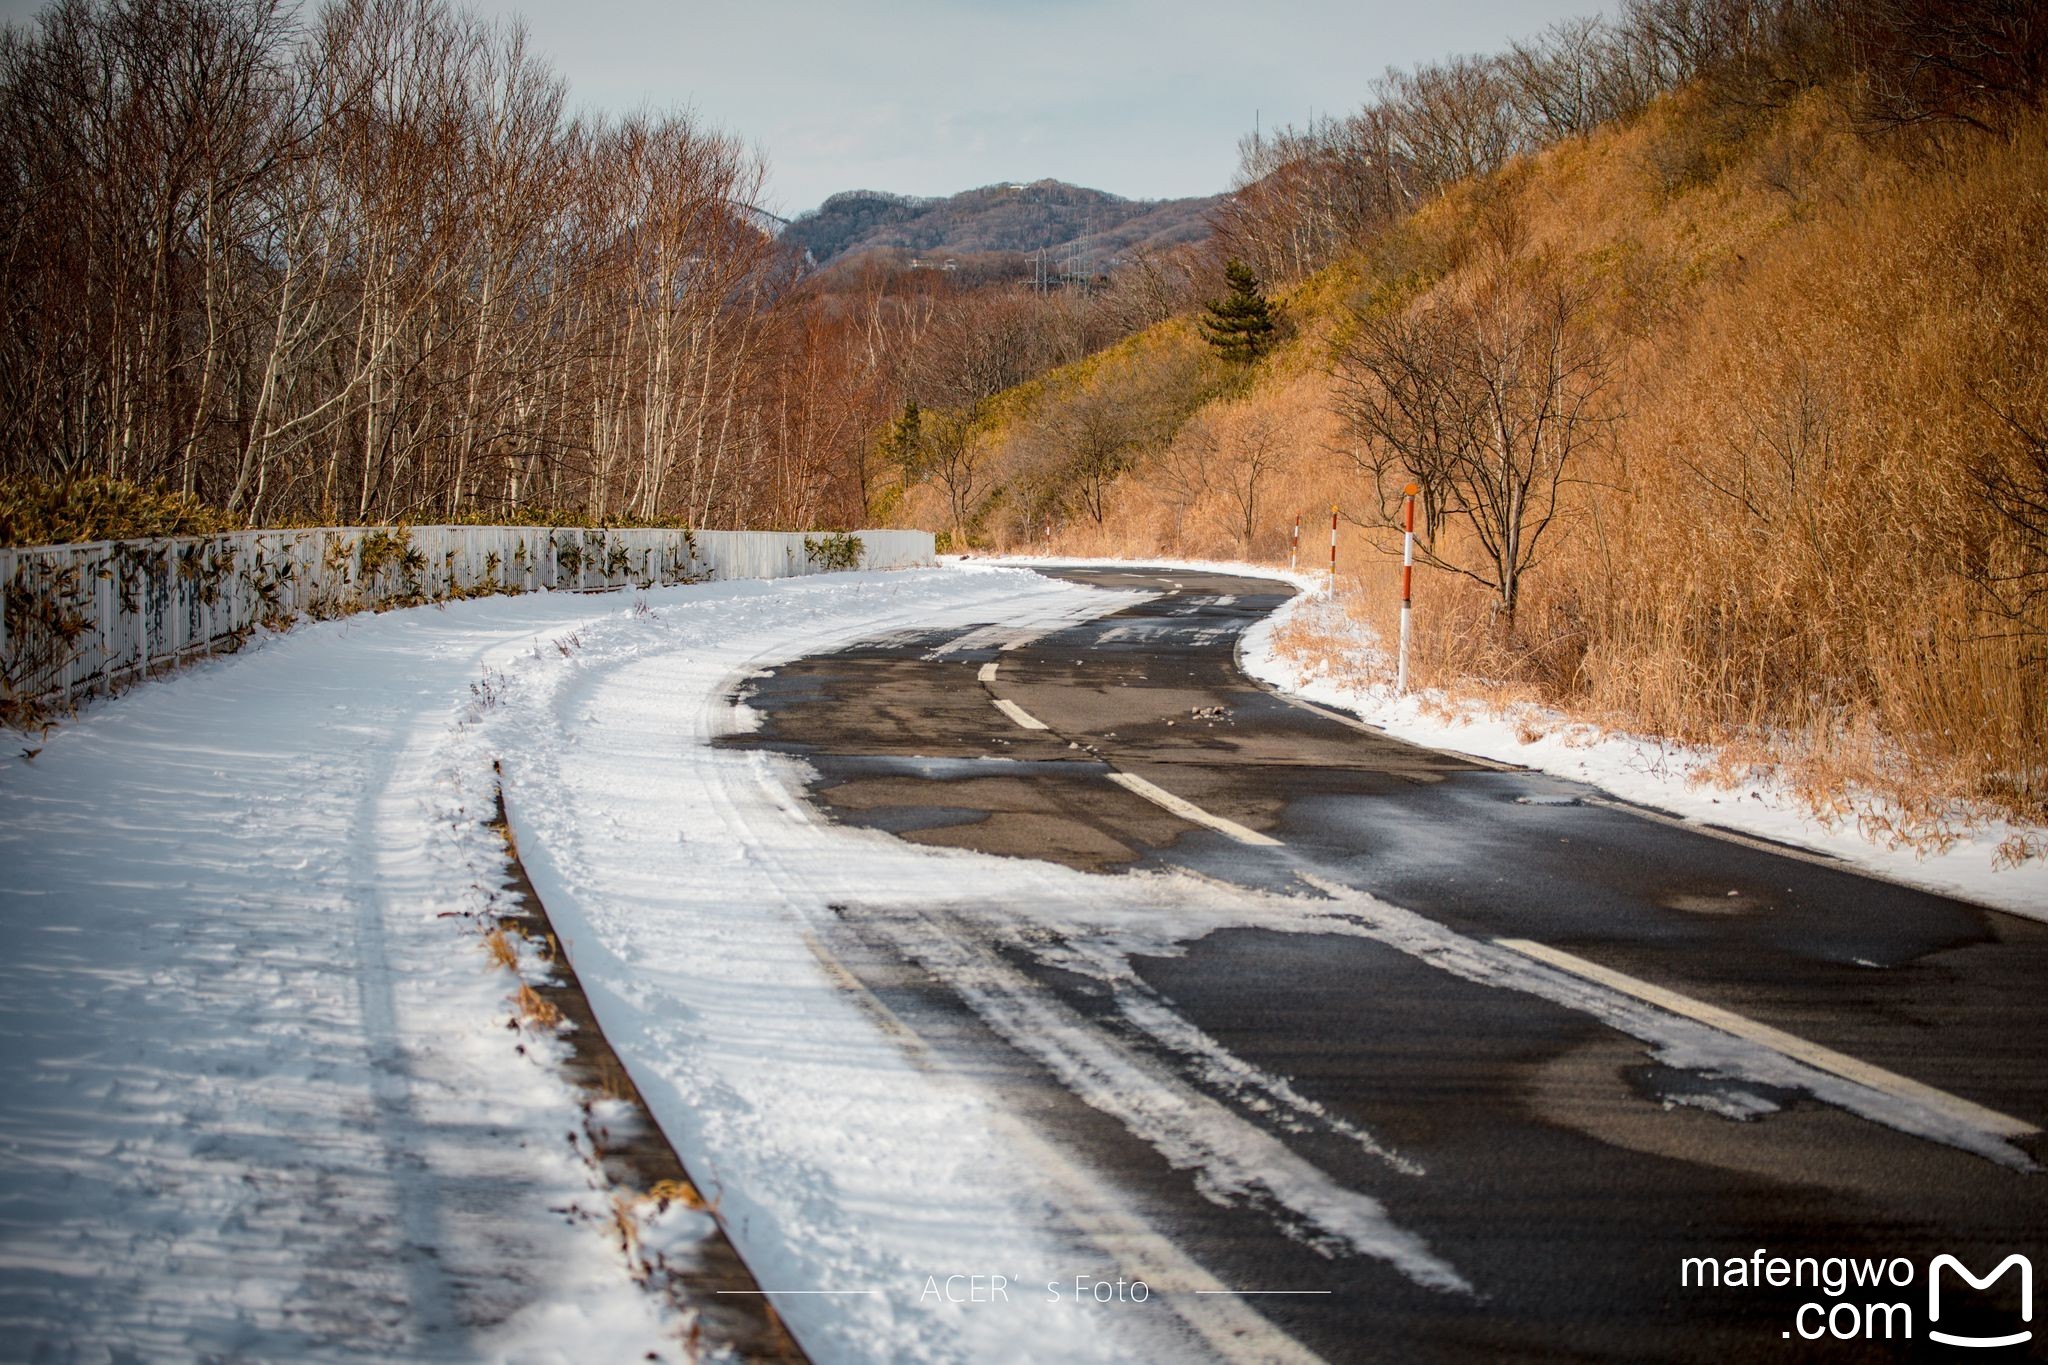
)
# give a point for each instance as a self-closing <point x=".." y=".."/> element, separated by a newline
<point x="75" y="619"/>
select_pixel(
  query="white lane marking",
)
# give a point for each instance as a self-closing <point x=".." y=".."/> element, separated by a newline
<point x="1019" y="714"/>
<point x="1790" y="1045"/>
<point x="1731" y="836"/>
<point x="988" y="673"/>
<point x="1188" y="810"/>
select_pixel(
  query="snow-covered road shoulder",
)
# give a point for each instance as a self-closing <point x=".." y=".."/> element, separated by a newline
<point x="1668" y="777"/>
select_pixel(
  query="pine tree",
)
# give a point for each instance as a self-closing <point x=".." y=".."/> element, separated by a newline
<point x="905" y="442"/>
<point x="1241" y="325"/>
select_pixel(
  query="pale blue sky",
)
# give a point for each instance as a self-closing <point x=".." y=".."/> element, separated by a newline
<point x="1145" y="98"/>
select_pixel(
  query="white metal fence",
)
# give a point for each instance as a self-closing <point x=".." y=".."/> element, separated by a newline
<point x="81" y="618"/>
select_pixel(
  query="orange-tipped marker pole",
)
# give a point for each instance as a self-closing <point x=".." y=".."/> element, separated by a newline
<point x="1333" y="549"/>
<point x="1407" y="584"/>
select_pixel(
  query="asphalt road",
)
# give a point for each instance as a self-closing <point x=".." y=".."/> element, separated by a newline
<point x="1563" y="1169"/>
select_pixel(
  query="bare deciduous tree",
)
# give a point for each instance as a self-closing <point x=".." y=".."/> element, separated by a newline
<point x="361" y="265"/>
<point x="1484" y="400"/>
<point x="957" y="460"/>
<point x="1233" y="452"/>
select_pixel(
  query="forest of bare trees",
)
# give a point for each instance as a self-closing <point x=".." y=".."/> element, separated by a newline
<point x="362" y="268"/>
<point x="357" y="264"/>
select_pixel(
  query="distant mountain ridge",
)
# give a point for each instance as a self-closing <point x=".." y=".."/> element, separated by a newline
<point x="1064" y="220"/>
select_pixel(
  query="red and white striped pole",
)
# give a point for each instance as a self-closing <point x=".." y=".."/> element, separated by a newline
<point x="1407" y="585"/>
<point x="1333" y="549"/>
<point x="1294" y="546"/>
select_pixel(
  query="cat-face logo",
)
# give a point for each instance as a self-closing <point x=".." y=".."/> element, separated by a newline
<point x="2026" y="1269"/>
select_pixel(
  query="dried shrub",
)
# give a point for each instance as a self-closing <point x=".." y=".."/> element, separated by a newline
<point x="35" y="512"/>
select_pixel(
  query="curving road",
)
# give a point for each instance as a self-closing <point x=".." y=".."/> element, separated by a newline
<point x="1543" y="1150"/>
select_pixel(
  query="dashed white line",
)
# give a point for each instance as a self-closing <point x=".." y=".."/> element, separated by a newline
<point x="1188" y="810"/>
<point x="1019" y="714"/>
<point x="1813" y="1054"/>
<point x="988" y="673"/>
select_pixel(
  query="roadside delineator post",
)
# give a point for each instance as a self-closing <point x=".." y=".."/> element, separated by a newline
<point x="1294" y="546"/>
<point x="1333" y="549"/>
<point x="1407" y="585"/>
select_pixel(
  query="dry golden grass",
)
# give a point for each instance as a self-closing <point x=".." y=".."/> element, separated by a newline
<point x="682" y="1192"/>
<point x="1771" y="556"/>
<point x="533" y="1007"/>
<point x="501" y="950"/>
<point x="537" y="1009"/>
<point x="1793" y="493"/>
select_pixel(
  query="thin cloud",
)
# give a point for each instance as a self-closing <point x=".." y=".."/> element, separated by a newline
<point x="1145" y="98"/>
